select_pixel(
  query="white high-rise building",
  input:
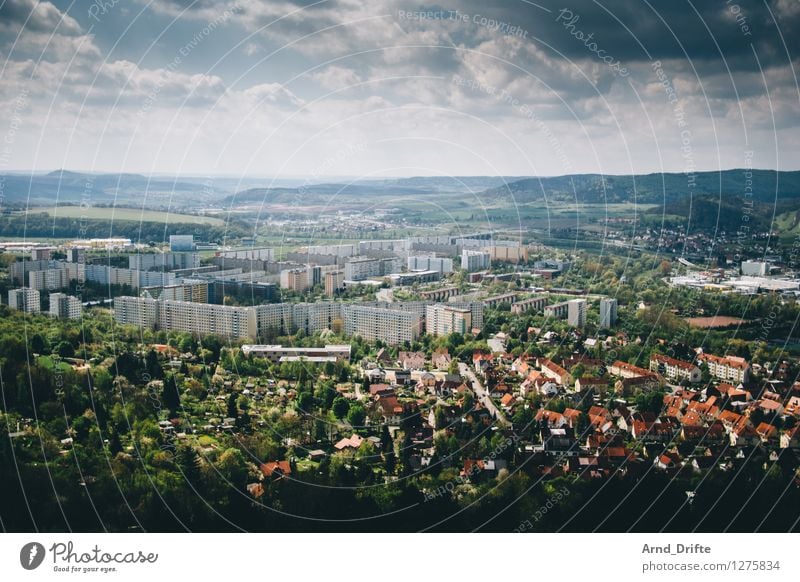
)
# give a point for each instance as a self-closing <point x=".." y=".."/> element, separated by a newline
<point x="446" y="319"/>
<point x="430" y="263"/>
<point x="608" y="312"/>
<point x="24" y="299"/>
<point x="65" y="306"/>
<point x="472" y="261"/>
<point x="576" y="312"/>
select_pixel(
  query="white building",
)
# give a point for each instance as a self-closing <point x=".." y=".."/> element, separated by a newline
<point x="367" y="268"/>
<point x="444" y="319"/>
<point x="576" y="312"/>
<point x="430" y="263"/>
<point x="754" y="268"/>
<point x="24" y="299"/>
<point x="391" y="326"/>
<point x="608" y="312"/>
<point x="277" y="353"/>
<point x="65" y="306"/>
<point x="472" y="261"/>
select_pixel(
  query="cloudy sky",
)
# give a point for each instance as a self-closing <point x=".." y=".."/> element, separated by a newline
<point x="395" y="88"/>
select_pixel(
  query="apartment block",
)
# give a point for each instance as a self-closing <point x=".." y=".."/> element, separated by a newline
<point x="334" y="281"/>
<point x="531" y="304"/>
<point x="727" y="368"/>
<point x="65" y="306"/>
<point x="367" y="268"/>
<point x="446" y="319"/>
<point x="163" y="261"/>
<point x="278" y="353"/>
<point x="608" y="312"/>
<point x="472" y="260"/>
<point x="676" y="370"/>
<point x="24" y="299"/>
<point x="576" y="312"/>
<point x="557" y="310"/>
<point x="443" y="265"/>
<point x="391" y="326"/>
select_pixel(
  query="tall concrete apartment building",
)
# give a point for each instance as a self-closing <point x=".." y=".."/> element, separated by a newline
<point x="472" y="261"/>
<point x="608" y="312"/>
<point x="576" y="312"/>
<point x="446" y="319"/>
<point x="295" y="279"/>
<point x="334" y="281"/>
<point x="65" y="306"/>
<point x="24" y="299"/>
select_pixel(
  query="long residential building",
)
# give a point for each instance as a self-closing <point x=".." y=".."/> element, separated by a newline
<point x="430" y="263"/>
<point x="391" y="326"/>
<point x="278" y="353"/>
<point x="531" y="304"/>
<point x="366" y="268"/>
<point x="676" y="370"/>
<point x="727" y="368"/>
<point x="163" y="261"/>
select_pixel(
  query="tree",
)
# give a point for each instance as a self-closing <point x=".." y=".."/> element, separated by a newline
<point x="170" y="396"/>
<point x="65" y="349"/>
<point x="340" y="407"/>
<point x="356" y="415"/>
<point x="38" y="344"/>
<point x="233" y="410"/>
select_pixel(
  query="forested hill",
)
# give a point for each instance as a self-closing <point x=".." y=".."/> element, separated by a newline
<point x="767" y="185"/>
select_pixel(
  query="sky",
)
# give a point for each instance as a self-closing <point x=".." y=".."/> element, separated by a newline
<point x="368" y="89"/>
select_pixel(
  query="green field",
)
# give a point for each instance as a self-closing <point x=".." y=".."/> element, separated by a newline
<point x="125" y="214"/>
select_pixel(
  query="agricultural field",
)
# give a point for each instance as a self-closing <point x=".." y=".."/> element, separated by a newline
<point x="125" y="214"/>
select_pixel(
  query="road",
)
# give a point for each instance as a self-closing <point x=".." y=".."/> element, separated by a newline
<point x="483" y="396"/>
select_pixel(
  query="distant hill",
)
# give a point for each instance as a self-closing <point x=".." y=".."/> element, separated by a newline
<point x="650" y="188"/>
<point x="68" y="187"/>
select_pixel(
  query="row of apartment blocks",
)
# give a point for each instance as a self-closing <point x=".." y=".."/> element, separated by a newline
<point x="392" y="323"/>
<point x="49" y="275"/>
<point x="29" y="300"/>
<point x="574" y="311"/>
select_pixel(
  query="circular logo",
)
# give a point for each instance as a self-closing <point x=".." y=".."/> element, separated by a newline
<point x="31" y="555"/>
